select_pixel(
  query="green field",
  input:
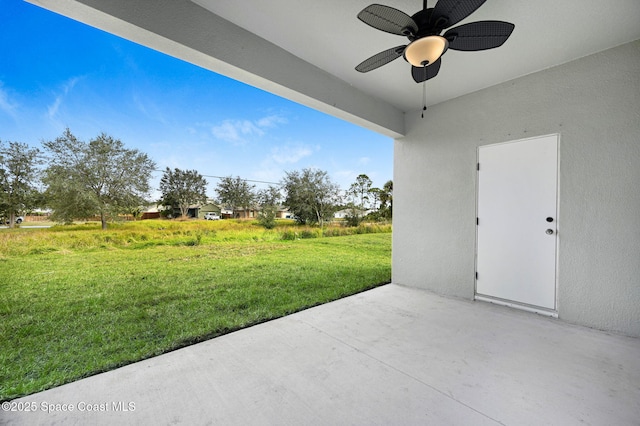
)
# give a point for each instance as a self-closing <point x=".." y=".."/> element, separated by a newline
<point x="76" y="301"/>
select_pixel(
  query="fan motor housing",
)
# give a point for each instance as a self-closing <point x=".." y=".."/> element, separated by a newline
<point x="422" y="19"/>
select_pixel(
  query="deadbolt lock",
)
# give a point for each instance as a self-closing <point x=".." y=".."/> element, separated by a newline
<point x="549" y="231"/>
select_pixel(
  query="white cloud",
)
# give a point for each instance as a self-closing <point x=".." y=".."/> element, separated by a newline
<point x="281" y="158"/>
<point x="149" y="109"/>
<point x="364" y="160"/>
<point x="6" y="105"/>
<point x="239" y="131"/>
<point x="345" y="174"/>
<point x="289" y="154"/>
<point x="236" y="131"/>
<point x="271" y="121"/>
<point x="52" y="110"/>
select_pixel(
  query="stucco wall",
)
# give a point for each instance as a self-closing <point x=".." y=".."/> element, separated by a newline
<point x="594" y="104"/>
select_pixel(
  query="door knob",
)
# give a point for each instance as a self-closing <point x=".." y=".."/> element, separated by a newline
<point x="549" y="231"/>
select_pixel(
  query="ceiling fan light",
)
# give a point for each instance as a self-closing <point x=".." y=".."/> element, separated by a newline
<point x="426" y="50"/>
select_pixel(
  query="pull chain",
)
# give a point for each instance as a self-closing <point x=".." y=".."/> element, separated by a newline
<point x="424" y="92"/>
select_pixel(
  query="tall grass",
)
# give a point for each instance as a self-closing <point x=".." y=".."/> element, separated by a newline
<point x="143" y="234"/>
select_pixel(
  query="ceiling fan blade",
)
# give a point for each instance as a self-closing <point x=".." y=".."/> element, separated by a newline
<point x="380" y="59"/>
<point x="388" y="19"/>
<point x="450" y="12"/>
<point x="421" y="74"/>
<point x="480" y="35"/>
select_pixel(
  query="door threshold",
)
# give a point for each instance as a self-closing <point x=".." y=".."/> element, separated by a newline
<point x="515" y="305"/>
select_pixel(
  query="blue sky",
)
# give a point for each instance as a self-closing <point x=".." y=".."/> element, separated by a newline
<point x="57" y="73"/>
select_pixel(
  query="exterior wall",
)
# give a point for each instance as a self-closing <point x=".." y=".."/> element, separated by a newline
<point x="208" y="208"/>
<point x="594" y="104"/>
<point x="242" y="214"/>
<point x="284" y="214"/>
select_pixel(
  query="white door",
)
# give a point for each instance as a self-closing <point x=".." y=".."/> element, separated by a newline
<point x="517" y="222"/>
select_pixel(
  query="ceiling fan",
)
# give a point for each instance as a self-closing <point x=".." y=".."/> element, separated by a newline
<point x="424" y="29"/>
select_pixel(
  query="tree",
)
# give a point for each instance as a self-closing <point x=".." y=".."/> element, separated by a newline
<point x="375" y="196"/>
<point x="311" y="195"/>
<point x="18" y="174"/>
<point x="236" y="193"/>
<point x="386" y="200"/>
<point x="358" y="193"/>
<point x="268" y="200"/>
<point x="360" y="190"/>
<point x="181" y="188"/>
<point x="100" y="177"/>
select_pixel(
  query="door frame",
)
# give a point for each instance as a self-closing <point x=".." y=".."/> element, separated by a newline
<point x="509" y="303"/>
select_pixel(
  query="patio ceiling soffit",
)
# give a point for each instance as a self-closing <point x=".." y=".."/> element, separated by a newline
<point x="183" y="29"/>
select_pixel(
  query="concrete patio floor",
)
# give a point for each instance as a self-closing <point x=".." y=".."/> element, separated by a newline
<point x="389" y="356"/>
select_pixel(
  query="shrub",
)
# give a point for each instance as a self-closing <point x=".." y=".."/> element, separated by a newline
<point x="308" y="233"/>
<point x="330" y="232"/>
<point x="289" y="235"/>
<point x="267" y="217"/>
<point x="353" y="219"/>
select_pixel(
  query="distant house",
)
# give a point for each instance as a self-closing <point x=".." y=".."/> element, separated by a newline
<point x="151" y="211"/>
<point x="284" y="213"/>
<point x="226" y="213"/>
<point x="209" y="207"/>
<point x="154" y="211"/>
<point x="344" y="213"/>
<point x="253" y="212"/>
<point x="341" y="214"/>
<point x="250" y="213"/>
<point x="192" y="212"/>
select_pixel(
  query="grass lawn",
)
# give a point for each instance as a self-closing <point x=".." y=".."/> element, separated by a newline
<point x="76" y="301"/>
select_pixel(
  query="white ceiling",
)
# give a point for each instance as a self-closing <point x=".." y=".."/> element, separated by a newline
<point x="328" y="35"/>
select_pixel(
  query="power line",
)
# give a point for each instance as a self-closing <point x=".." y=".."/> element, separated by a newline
<point x="246" y="180"/>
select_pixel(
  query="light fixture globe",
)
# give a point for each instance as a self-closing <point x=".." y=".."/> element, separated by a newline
<point x="425" y="51"/>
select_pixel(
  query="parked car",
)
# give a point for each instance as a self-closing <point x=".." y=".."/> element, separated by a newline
<point x="211" y="216"/>
<point x="19" y="220"/>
